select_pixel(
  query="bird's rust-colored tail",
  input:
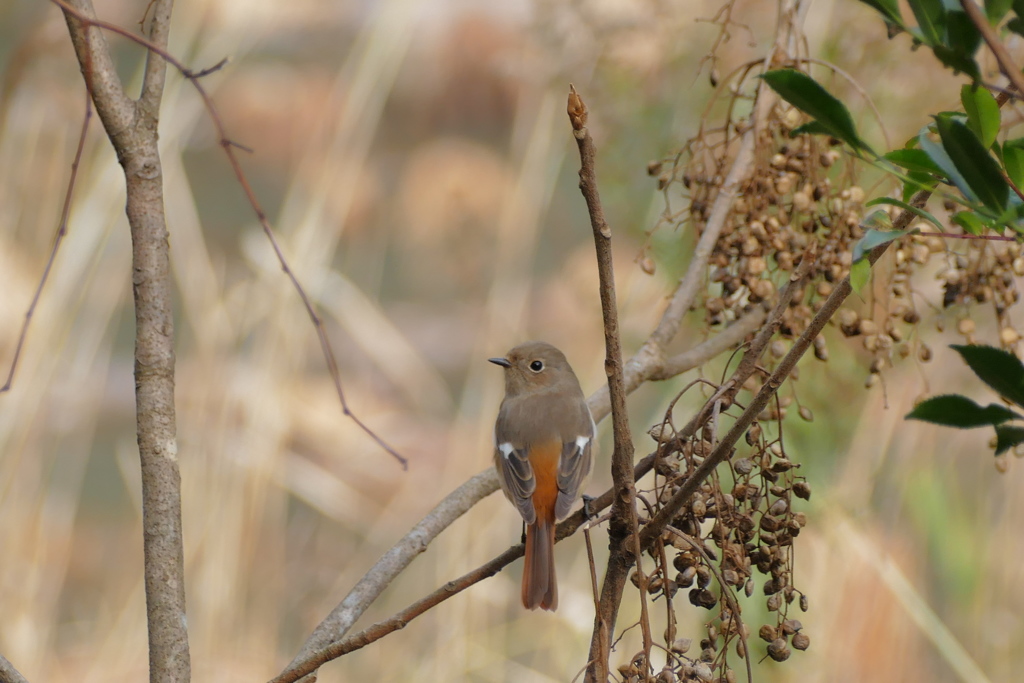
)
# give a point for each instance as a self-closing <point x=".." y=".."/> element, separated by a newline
<point x="539" y="586"/>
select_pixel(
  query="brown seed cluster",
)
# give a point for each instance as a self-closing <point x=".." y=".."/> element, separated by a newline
<point x="734" y="536"/>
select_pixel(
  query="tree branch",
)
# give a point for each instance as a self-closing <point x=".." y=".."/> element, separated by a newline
<point x="132" y="129"/>
<point x="624" y="522"/>
<point x="8" y="674"/>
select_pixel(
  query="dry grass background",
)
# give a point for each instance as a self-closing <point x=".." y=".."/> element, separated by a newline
<point x="418" y="168"/>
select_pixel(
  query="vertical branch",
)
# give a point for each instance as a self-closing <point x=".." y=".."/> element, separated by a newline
<point x="132" y="129"/>
<point x="623" y="523"/>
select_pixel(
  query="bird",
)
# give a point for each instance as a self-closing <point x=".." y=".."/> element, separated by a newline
<point x="543" y="445"/>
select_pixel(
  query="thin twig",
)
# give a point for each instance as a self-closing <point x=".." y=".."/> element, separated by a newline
<point x="62" y="230"/>
<point x="1006" y="64"/>
<point x="624" y="523"/>
<point x="229" y="146"/>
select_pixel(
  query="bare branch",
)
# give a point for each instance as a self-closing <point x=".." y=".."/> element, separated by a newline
<point x="392" y="563"/>
<point x="624" y="523"/>
<point x="132" y="129"/>
<point x="8" y="674"/>
<point x="1006" y="64"/>
<point x="62" y="231"/>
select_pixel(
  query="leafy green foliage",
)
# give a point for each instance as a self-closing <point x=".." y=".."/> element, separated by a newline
<point x="974" y="163"/>
<point x="1000" y="370"/>
<point x="982" y="113"/>
<point x="830" y="115"/>
<point x="954" y="410"/>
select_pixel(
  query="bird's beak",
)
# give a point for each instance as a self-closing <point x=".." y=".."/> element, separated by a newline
<point x="503" y="362"/>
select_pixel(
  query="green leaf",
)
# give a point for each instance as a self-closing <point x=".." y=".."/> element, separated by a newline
<point x="982" y="113"/>
<point x="937" y="154"/>
<point x="888" y="9"/>
<point x="860" y="275"/>
<point x="804" y="93"/>
<point x="995" y="10"/>
<point x="810" y="128"/>
<point x="1007" y="437"/>
<point x="974" y="163"/>
<point x="931" y="20"/>
<point x="913" y="160"/>
<point x="954" y="410"/>
<point x="906" y="207"/>
<point x="997" y="368"/>
<point x="969" y="221"/>
<point x="1013" y="160"/>
<point x="870" y="240"/>
<point x="962" y="36"/>
<point x="918" y="181"/>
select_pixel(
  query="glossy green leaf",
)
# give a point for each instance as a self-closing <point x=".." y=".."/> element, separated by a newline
<point x="931" y="20"/>
<point x="807" y="95"/>
<point x="870" y="240"/>
<point x="860" y="275"/>
<point x="982" y="113"/>
<point x="974" y="163"/>
<point x="918" y="181"/>
<point x="913" y="160"/>
<point x="970" y="222"/>
<point x="888" y="9"/>
<point x="1008" y="436"/>
<point x="937" y="154"/>
<point x="997" y="368"/>
<point x="954" y="410"/>
<point x="1013" y="161"/>
<point x="906" y="207"/>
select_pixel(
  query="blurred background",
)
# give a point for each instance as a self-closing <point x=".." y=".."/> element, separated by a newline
<point x="417" y="165"/>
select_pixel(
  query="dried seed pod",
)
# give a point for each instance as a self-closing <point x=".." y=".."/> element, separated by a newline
<point x="774" y="602"/>
<point x="924" y="353"/>
<point x="767" y="633"/>
<point x="684" y="579"/>
<point x="681" y="646"/>
<point x="965" y="327"/>
<point x="778" y="650"/>
<point x="778" y="508"/>
<point x="1008" y="336"/>
<point x="647" y="265"/>
<point x="791" y="626"/>
<point x="703" y="576"/>
<point x="753" y="434"/>
<point x="801" y="641"/>
<point x="743" y="466"/>
<point x="769" y="523"/>
<point x="806" y="415"/>
<point x="702" y="672"/>
<point x="748" y="588"/>
<point x="699" y="508"/>
<point x="804" y="603"/>
<point x="653" y="168"/>
<point x="782" y="465"/>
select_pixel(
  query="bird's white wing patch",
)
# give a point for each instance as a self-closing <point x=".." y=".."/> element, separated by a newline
<point x="506" y="449"/>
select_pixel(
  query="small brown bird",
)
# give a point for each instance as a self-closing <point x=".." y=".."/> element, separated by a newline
<point x="542" y="449"/>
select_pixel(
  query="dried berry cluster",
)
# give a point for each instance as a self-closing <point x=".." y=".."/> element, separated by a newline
<point x="734" y="535"/>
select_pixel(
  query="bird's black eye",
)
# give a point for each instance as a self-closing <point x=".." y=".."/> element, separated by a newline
<point x="537" y="366"/>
